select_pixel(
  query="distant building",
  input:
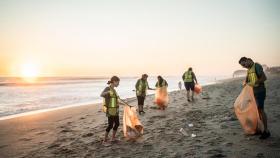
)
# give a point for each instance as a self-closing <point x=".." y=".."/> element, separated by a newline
<point x="265" y="67"/>
<point x="274" y="70"/>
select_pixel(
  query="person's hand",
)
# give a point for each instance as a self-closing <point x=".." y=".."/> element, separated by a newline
<point x="243" y="83"/>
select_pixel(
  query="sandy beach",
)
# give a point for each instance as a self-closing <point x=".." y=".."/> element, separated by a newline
<point x="78" y="131"/>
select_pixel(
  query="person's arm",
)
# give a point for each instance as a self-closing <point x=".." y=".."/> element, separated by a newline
<point x="105" y="92"/>
<point x="260" y="73"/>
<point x="247" y="79"/>
<point x="149" y="87"/>
<point x="137" y="84"/>
<point x="183" y="77"/>
<point x="194" y="77"/>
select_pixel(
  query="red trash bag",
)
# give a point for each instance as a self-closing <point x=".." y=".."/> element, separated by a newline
<point x="132" y="127"/>
<point x="197" y="89"/>
<point x="246" y="111"/>
<point x="161" y="97"/>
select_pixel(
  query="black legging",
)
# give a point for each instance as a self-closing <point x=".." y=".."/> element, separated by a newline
<point x="141" y="100"/>
<point x="113" y="121"/>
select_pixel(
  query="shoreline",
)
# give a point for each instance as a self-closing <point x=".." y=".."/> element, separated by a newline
<point x="2" y="118"/>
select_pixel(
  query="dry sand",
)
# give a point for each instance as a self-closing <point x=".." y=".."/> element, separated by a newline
<point x="78" y="131"/>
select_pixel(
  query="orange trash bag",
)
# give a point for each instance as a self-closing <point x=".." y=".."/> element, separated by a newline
<point x="197" y="89"/>
<point x="161" y="97"/>
<point x="246" y="111"/>
<point x="132" y="128"/>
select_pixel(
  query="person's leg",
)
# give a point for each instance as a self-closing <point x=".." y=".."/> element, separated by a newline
<point x="260" y="98"/>
<point x="192" y="88"/>
<point x="263" y="118"/>
<point x="117" y="123"/>
<point x="142" y="104"/>
<point x="139" y="102"/>
<point x="109" y="127"/>
<point x="188" y="88"/>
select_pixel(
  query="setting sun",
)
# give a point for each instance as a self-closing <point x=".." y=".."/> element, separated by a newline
<point x="29" y="72"/>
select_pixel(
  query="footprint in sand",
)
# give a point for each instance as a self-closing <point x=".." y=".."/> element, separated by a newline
<point x="228" y="144"/>
<point x="260" y="155"/>
<point x="87" y="135"/>
<point x="147" y="147"/>
<point x="3" y="146"/>
<point x="65" y="131"/>
<point x="223" y="126"/>
<point x="215" y="153"/>
<point x="25" y="139"/>
<point x="53" y="146"/>
<point x="40" y="133"/>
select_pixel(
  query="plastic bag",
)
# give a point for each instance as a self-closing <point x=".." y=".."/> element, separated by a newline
<point x="197" y="89"/>
<point x="132" y="127"/>
<point x="246" y="111"/>
<point x="161" y="97"/>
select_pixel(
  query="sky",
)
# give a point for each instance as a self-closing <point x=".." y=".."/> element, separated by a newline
<point x="128" y="38"/>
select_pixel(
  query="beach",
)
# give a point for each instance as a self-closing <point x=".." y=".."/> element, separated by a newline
<point x="216" y="132"/>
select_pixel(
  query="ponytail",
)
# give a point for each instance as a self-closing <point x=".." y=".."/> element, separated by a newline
<point x="114" y="78"/>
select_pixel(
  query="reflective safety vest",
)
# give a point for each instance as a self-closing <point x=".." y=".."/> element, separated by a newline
<point x="252" y="76"/>
<point x="112" y="108"/>
<point x="163" y="84"/>
<point x="188" y="76"/>
<point x="142" y="88"/>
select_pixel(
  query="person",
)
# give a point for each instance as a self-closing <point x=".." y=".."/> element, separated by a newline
<point x="141" y="91"/>
<point x="256" y="78"/>
<point x="161" y="83"/>
<point x="180" y="85"/>
<point x="112" y="108"/>
<point x="189" y="79"/>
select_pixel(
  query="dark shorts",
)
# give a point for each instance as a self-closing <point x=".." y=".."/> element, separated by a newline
<point x="141" y="100"/>
<point x="113" y="122"/>
<point x="189" y="86"/>
<point x="260" y="95"/>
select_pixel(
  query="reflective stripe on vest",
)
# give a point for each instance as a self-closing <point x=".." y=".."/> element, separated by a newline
<point x="113" y="98"/>
<point x="142" y="87"/>
<point x="252" y="76"/>
<point x="188" y="76"/>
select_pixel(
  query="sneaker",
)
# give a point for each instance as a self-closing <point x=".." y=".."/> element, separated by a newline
<point x="116" y="140"/>
<point x="106" y="143"/>
<point x="265" y="135"/>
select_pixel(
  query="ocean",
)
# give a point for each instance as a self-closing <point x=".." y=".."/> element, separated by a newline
<point x="17" y="97"/>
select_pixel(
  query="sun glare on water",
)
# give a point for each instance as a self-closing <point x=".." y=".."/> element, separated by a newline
<point x="29" y="72"/>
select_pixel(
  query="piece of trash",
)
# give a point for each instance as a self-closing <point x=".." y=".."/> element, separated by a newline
<point x="190" y="125"/>
<point x="183" y="132"/>
<point x="193" y="135"/>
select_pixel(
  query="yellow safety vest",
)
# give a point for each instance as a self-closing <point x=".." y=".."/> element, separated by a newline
<point x="252" y="76"/>
<point x="112" y="108"/>
<point x="188" y="76"/>
<point x="142" y="88"/>
<point x="162" y="85"/>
